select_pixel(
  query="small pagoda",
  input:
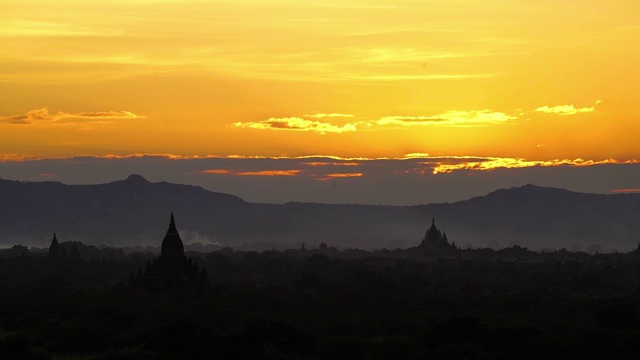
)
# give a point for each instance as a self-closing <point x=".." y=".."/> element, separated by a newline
<point x="172" y="271"/>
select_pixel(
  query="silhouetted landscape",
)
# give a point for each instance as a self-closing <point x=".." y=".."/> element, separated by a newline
<point x="319" y="180"/>
<point x="129" y="213"/>
<point x="435" y="299"/>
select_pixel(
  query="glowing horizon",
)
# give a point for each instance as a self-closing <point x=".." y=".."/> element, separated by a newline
<point x="429" y="164"/>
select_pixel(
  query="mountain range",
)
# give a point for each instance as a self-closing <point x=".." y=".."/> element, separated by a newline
<point x="135" y="212"/>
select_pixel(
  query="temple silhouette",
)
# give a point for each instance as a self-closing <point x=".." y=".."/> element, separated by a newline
<point x="436" y="240"/>
<point x="171" y="271"/>
<point x="57" y="254"/>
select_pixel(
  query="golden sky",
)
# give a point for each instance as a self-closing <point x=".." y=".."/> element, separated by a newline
<point x="534" y="80"/>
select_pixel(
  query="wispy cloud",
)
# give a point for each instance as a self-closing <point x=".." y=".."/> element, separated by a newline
<point x="453" y="117"/>
<point x="566" y="109"/>
<point x="296" y="124"/>
<point x="323" y="163"/>
<point x="218" y="171"/>
<point x="337" y="176"/>
<point x="448" y="165"/>
<point x="42" y="116"/>
<point x="344" y="175"/>
<point x="270" y="173"/>
<point x="416" y="155"/>
<point x="449" y="118"/>
<point x="39" y="115"/>
<point x="12" y="157"/>
<point x="290" y="172"/>
<point x="626" y="191"/>
<point x="103" y="114"/>
<point x="458" y="118"/>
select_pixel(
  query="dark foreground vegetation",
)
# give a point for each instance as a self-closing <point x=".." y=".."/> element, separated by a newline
<point x="326" y="304"/>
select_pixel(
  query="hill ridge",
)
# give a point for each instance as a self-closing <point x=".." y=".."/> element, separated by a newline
<point x="133" y="212"/>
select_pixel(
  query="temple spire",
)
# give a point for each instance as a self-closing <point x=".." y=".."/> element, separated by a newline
<point x="54" y="248"/>
<point x="172" y="244"/>
<point x="172" y="225"/>
<point x="56" y="252"/>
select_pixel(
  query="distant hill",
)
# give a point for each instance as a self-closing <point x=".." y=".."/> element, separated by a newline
<point x="135" y="212"/>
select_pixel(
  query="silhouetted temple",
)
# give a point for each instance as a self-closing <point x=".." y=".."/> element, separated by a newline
<point x="171" y="271"/>
<point x="434" y="239"/>
<point x="57" y="254"/>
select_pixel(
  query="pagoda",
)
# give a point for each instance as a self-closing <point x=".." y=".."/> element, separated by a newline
<point x="171" y="271"/>
<point x="57" y="255"/>
<point x="436" y="240"/>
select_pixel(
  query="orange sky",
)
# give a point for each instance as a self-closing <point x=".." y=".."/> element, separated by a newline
<point x="535" y="80"/>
